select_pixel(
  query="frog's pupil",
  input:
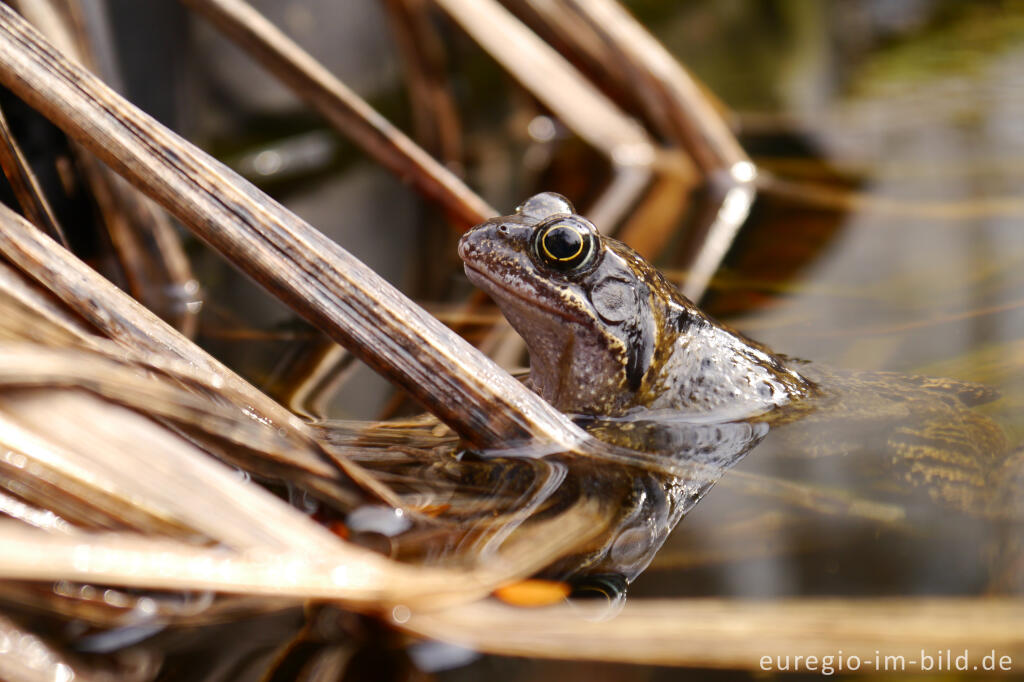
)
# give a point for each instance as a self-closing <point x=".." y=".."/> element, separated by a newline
<point x="563" y="243"/>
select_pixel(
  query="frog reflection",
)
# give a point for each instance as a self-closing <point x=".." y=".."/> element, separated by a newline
<point x="646" y="503"/>
<point x="489" y="498"/>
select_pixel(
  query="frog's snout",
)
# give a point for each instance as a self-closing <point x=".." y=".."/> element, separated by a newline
<point x="483" y="238"/>
<point x="469" y="243"/>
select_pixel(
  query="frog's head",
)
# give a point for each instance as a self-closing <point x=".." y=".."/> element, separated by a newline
<point x="589" y="308"/>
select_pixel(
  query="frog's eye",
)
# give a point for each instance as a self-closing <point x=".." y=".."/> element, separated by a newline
<point x="566" y="244"/>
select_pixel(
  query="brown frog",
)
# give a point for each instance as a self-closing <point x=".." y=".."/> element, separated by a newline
<point x="609" y="336"/>
<point x="605" y="331"/>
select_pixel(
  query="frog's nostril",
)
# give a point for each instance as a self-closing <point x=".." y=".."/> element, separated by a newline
<point x="465" y="246"/>
<point x="503" y="229"/>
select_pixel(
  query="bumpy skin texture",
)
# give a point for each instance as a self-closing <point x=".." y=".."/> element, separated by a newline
<point x="903" y="433"/>
<point x="614" y="335"/>
<point x="615" y="338"/>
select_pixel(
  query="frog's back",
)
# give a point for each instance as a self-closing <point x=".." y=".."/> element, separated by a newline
<point x="904" y="433"/>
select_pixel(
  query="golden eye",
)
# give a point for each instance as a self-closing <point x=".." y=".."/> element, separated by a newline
<point x="562" y="243"/>
<point x="565" y="244"/>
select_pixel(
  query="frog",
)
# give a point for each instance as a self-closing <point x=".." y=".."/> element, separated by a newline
<point x="615" y="344"/>
<point x="618" y="348"/>
<point x="607" y="334"/>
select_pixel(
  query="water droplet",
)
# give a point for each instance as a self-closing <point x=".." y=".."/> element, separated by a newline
<point x="401" y="614"/>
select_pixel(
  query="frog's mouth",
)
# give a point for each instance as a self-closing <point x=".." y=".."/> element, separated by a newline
<point x="491" y="284"/>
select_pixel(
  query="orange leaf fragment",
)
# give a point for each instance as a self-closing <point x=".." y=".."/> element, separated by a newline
<point x="533" y="593"/>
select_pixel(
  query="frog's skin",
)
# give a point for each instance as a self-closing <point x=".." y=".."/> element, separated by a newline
<point x="899" y="433"/>
<point x="613" y="335"/>
<point x="614" y="338"/>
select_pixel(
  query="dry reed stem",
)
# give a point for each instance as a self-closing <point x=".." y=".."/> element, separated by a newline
<point x="309" y="272"/>
<point x="734" y="633"/>
<point x="25" y="185"/>
<point x="150" y="254"/>
<point x="345" y="110"/>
